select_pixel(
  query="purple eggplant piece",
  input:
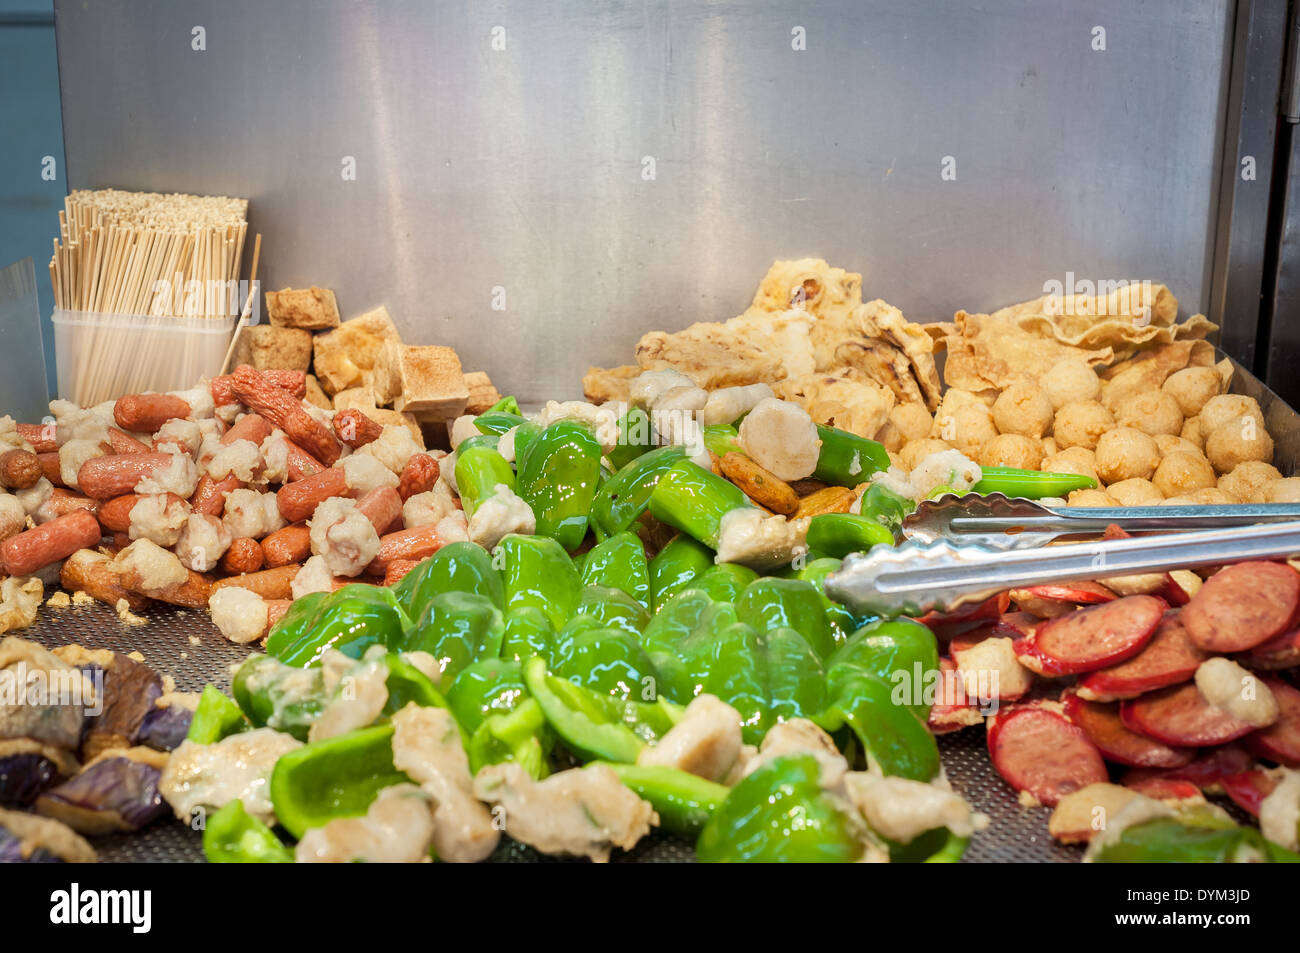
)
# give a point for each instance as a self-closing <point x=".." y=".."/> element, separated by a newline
<point x="11" y="852"/>
<point x="23" y="776"/>
<point x="130" y="689"/>
<point x="163" y="729"/>
<point x="115" y="794"/>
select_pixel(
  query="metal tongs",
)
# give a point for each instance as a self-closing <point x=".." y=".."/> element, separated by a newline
<point x="1001" y="522"/>
<point x="920" y="575"/>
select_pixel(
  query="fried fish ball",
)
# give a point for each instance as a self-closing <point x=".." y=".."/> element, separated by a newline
<point x="1049" y="446"/>
<point x="1210" y="496"/>
<point x="1228" y="408"/>
<point x="1193" y="433"/>
<point x="1136" y="493"/>
<point x="1237" y="441"/>
<point x="1167" y="443"/>
<point x="1081" y="424"/>
<point x="1153" y="412"/>
<point x="1091" y="498"/>
<point x="1247" y="481"/>
<point x="1012" y="450"/>
<point x="1079" y="460"/>
<point x="1126" y="454"/>
<point x="912" y="420"/>
<point x="1023" y="409"/>
<point x="889" y="436"/>
<point x="1181" y="473"/>
<point x="1070" y="380"/>
<point x="914" y="451"/>
<point x="1285" y="490"/>
<point x="1192" y="387"/>
<point x="967" y="427"/>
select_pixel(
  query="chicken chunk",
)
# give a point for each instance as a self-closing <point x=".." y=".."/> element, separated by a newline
<point x="211" y="776"/>
<point x="706" y="742"/>
<point x="396" y="829"/>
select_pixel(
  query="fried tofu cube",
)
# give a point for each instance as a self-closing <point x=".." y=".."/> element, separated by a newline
<point x="482" y="392"/>
<point x="345" y="357"/>
<point x="425" y="380"/>
<point x="280" y="349"/>
<point x="309" y="309"/>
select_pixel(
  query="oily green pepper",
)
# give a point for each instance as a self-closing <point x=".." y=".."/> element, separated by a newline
<point x="838" y="534"/>
<point x="624" y="496"/>
<point x="457" y="628"/>
<point x="1030" y="484"/>
<point x="528" y="632"/>
<point x="845" y="459"/>
<point x="350" y="621"/>
<point x="558" y="476"/>
<point x="770" y="603"/>
<point x="506" y="404"/>
<point x="901" y="652"/>
<point x="233" y="836"/>
<point x="842" y="621"/>
<point x="215" y="717"/>
<point x="608" y="607"/>
<point x="635" y="437"/>
<point x="676" y="567"/>
<point x="885" y="506"/>
<point x="287" y="698"/>
<point x="525" y="434"/>
<point x="1174" y="840"/>
<point x="407" y="685"/>
<point x="497" y="422"/>
<point x="725" y="581"/>
<point x="295" y="622"/>
<point x="780" y="814"/>
<point x="479" y="471"/>
<point x="606" y="660"/>
<point x="494" y="710"/>
<point x="619" y="562"/>
<point x="336" y="777"/>
<point x="537" y="572"/>
<point x="694" y="500"/>
<point x="683" y="801"/>
<point x="456" y="567"/>
<point x="722" y="439"/>
<point x="891" y="734"/>
<point x="937" y="846"/>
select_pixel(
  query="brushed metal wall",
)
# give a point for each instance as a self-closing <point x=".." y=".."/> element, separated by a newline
<point x="522" y="168"/>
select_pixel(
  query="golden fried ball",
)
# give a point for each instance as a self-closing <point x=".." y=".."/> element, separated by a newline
<point x="1135" y="493"/>
<point x="1049" y="446"/>
<point x="1193" y="433"/>
<point x="1070" y="380"/>
<point x="1239" y="440"/>
<point x="1091" y="498"/>
<point x="1181" y="473"/>
<point x="1023" y="408"/>
<point x="1247" y="481"/>
<point x="1286" y="490"/>
<point x="1192" y="387"/>
<point x="968" y="427"/>
<point x="1079" y="460"/>
<point x="1167" y="443"/>
<point x="1012" y="450"/>
<point x="1210" y="496"/>
<point x="889" y="436"/>
<point x="1126" y="454"/>
<point x="912" y="420"/>
<point x="1081" y="424"/>
<point x="1228" y="408"/>
<point x="1153" y="412"/>
<point x="914" y="451"/>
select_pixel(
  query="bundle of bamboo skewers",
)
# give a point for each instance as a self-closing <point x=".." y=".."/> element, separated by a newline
<point x="171" y="262"/>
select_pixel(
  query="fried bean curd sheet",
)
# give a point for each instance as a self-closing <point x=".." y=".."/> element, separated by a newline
<point x="989" y="352"/>
<point x="603" y="384"/>
<point x="861" y="407"/>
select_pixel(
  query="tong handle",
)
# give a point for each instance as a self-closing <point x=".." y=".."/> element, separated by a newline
<point x="1068" y="519"/>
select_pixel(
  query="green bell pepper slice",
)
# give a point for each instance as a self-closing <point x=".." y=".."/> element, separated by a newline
<point x="284" y="697"/>
<point x="215" y="717"/>
<point x="506" y="404"/>
<point x="609" y="661"/>
<point x="626" y="495"/>
<point x="497" y="422"/>
<point x="891" y="733"/>
<point x="725" y="581"/>
<point x="233" y="836"/>
<point x="479" y="470"/>
<point x="936" y="846"/>
<point x="521" y="735"/>
<point x="487" y="687"/>
<point x="558" y="476"/>
<point x="611" y="607"/>
<point x="886" y="507"/>
<point x="683" y="801"/>
<point x="1030" y="484"/>
<point x="694" y="500"/>
<point x="722" y="439"/>
<point x="635" y="437"/>
<point x="528" y="632"/>
<point x="676" y="566"/>
<point x="838" y="534"/>
<point x="619" y="563"/>
<point x="843" y="622"/>
<point x="589" y="724"/>
<point x="457" y="628"/>
<point x="780" y="814"/>
<point x="846" y="459"/>
<point x="772" y="603"/>
<point x="456" y="567"/>
<point x="336" y="777"/>
<point x="350" y="621"/>
<point x="294" y="623"/>
<point x="407" y="685"/>
<point x="537" y="572"/>
<point x="901" y="652"/>
<point x="1176" y="840"/>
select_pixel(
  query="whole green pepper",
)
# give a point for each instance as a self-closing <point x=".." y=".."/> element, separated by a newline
<point x="683" y="801"/>
<point x="233" y="836"/>
<point x="1030" y="484"/>
<point x="619" y="562"/>
<point x="780" y="814"/>
<point x="215" y="717"/>
<point x="676" y="567"/>
<point x="838" y="534"/>
<point x="457" y="628"/>
<point x="846" y="459"/>
<point x="635" y="437"/>
<point x="336" y="777"/>
<point x="624" y="496"/>
<point x="456" y="567"/>
<point x="558" y="475"/>
<point x="694" y="500"/>
<point x="722" y="439"/>
<point x="479" y="471"/>
<point x="537" y="572"/>
<point x="350" y="621"/>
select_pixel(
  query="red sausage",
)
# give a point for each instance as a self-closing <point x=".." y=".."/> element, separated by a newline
<point x="1282" y="651"/>
<point x="1092" y="638"/>
<point x="301" y="463"/>
<point x="42" y="437"/>
<point x="298" y="500"/>
<point x="1104" y="728"/>
<point x="418" y="476"/>
<point x="1249" y="789"/>
<point x="1243" y="606"/>
<point x="1170" y="658"/>
<point x="116" y="474"/>
<point x="210" y="495"/>
<point x="1280" y="741"/>
<point x="252" y="427"/>
<point x="1180" y="715"/>
<point x="408" y="545"/>
<point x="1076" y="593"/>
<point x="49" y="542"/>
<point x="945" y="625"/>
<point x="145" y="413"/>
<point x="1038" y="751"/>
<point x="382" y="506"/>
<point x="1206" y="772"/>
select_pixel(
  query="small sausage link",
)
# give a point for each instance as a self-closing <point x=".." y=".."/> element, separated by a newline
<point x="119" y="441"/>
<point x="61" y="502"/>
<point x="19" y="469"/>
<point x="269" y="583"/>
<point x="355" y="429"/>
<point x="44" y="438"/>
<point x="244" y="555"/>
<point x="298" y="500"/>
<point x="397" y="570"/>
<point x="301" y="463"/>
<point x="292" y="544"/>
<point x="48" y="543"/>
<point x="295" y="382"/>
<point x="210" y="495"/>
<point x="93" y="573"/>
<point x="410" y="545"/>
<point x="145" y="413"/>
<point x="382" y="506"/>
<point x="50" y="467"/>
<point x="115" y="474"/>
<point x="418" y="476"/>
<point x="252" y="427"/>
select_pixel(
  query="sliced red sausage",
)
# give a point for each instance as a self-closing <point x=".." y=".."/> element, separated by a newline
<point x="1092" y="638"/>
<point x="1206" y="772"/>
<point x="1104" y="728"/>
<point x="1161" y="788"/>
<point x="1281" y="651"/>
<point x="1170" y="658"/>
<point x="1038" y="751"/>
<point x="953" y="709"/>
<point x="1243" y="606"/>
<point x="1249" y="788"/>
<point x="1180" y="715"/>
<point x="945" y="625"/>
<point x="1077" y="593"/>
<point x="1280" y="741"/>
